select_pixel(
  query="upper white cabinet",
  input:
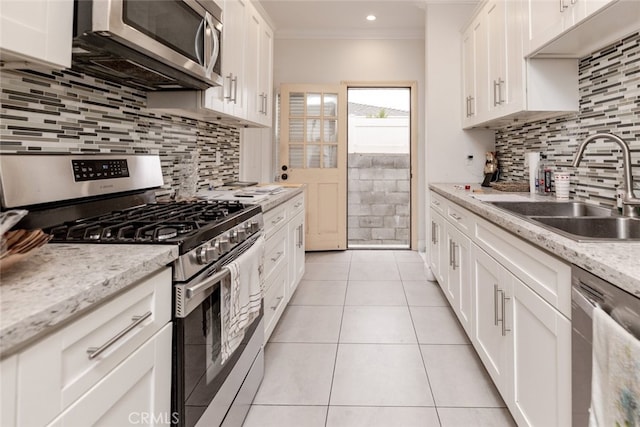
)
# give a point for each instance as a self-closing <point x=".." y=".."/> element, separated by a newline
<point x="36" y="33"/>
<point x="231" y="97"/>
<point x="507" y="86"/>
<point x="576" y="28"/>
<point x="247" y="64"/>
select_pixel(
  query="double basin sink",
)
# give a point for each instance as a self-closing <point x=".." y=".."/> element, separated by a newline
<point x="577" y="220"/>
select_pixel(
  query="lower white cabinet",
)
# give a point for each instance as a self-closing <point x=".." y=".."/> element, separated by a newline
<point x="514" y="310"/>
<point x="284" y="257"/>
<point x="64" y="377"/>
<point x="138" y="391"/>
<point x="524" y="343"/>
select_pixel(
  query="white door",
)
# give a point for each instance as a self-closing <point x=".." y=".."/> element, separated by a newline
<point x="313" y="151"/>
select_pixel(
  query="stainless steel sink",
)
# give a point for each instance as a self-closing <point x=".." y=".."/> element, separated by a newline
<point x="554" y="209"/>
<point x="594" y="229"/>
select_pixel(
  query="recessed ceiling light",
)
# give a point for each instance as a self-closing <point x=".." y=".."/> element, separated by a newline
<point x="371" y="17"/>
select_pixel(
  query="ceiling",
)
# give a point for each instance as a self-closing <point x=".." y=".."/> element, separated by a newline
<point x="400" y="19"/>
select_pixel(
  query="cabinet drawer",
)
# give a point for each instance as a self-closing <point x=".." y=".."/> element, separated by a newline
<point x="274" y="299"/>
<point x="545" y="274"/>
<point x="56" y="371"/>
<point x="275" y="219"/>
<point x="460" y="217"/>
<point x="275" y="252"/>
<point x="295" y="205"/>
<point x="438" y="203"/>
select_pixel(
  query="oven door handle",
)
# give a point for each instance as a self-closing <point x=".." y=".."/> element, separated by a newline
<point x="191" y="291"/>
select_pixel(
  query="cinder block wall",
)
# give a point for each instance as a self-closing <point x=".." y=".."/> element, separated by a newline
<point x="378" y="199"/>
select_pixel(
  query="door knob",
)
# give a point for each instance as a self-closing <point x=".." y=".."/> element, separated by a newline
<point x="284" y="167"/>
<point x="284" y="176"/>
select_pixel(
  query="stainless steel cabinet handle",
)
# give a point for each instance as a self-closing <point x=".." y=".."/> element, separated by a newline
<point x="278" y="255"/>
<point x="455" y="264"/>
<point x="562" y="6"/>
<point x="266" y="103"/>
<point x="94" y="352"/>
<point x="471" y="106"/>
<point x="230" y="77"/>
<point x="437" y="203"/>
<point x="277" y="220"/>
<point x="235" y="90"/>
<point x="500" y="83"/>
<point x="301" y="236"/>
<point x="450" y="253"/>
<point x="433" y="232"/>
<point x="273" y="307"/>
<point x="455" y="216"/>
<point x="495" y="304"/>
<point x="504" y="318"/>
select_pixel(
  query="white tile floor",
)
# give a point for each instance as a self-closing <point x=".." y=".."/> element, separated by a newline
<point x="367" y="341"/>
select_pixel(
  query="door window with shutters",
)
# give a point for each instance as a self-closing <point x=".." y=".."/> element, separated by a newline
<point x="313" y="152"/>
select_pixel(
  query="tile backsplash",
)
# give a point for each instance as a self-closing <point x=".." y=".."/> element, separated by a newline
<point x="609" y="85"/>
<point x="65" y="111"/>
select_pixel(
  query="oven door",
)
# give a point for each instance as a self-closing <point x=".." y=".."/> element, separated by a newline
<point x="200" y="379"/>
<point x="181" y="33"/>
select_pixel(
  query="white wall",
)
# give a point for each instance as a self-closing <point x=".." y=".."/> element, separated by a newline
<point x="447" y="144"/>
<point x="375" y="61"/>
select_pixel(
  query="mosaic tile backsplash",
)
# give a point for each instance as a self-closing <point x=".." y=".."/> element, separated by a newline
<point x="609" y="84"/>
<point x="65" y="111"/>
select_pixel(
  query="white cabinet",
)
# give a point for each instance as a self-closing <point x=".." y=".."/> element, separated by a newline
<point x="284" y="257"/>
<point x="514" y="303"/>
<point x="67" y="368"/>
<point x="231" y="97"/>
<point x="36" y="33"/>
<point x="247" y="70"/>
<point x="491" y="285"/>
<point x="296" y="242"/>
<point x="508" y="86"/>
<point x="458" y="288"/>
<point x="136" y="392"/>
<point x="260" y="70"/>
<point x="524" y="343"/>
<point x="437" y="259"/>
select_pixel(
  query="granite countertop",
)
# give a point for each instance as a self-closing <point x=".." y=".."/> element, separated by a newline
<point x="267" y="202"/>
<point x="616" y="263"/>
<point x="60" y="282"/>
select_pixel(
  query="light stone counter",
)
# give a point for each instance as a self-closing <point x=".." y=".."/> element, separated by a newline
<point x="60" y="282"/>
<point x="618" y="263"/>
<point x="269" y="202"/>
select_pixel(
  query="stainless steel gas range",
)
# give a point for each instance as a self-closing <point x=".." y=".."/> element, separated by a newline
<point x="110" y="199"/>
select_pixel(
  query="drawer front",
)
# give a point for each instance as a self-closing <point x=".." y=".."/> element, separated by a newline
<point x="438" y="203"/>
<point x="275" y="219"/>
<point x="460" y="217"/>
<point x="274" y="300"/>
<point x="295" y="205"/>
<point x="545" y="274"/>
<point x="276" y="252"/>
<point x="56" y="371"/>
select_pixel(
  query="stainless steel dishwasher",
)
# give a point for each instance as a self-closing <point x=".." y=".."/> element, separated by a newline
<point x="587" y="291"/>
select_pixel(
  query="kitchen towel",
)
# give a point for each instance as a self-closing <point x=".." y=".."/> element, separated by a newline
<point x="615" y="380"/>
<point x="241" y="296"/>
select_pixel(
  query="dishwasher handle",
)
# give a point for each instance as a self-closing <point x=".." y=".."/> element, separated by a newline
<point x="583" y="302"/>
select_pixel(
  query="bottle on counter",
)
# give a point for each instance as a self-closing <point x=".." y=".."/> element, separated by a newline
<point x="544" y="176"/>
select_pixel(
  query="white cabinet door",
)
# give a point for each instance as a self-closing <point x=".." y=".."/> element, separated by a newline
<point x="296" y="251"/>
<point x="260" y="56"/>
<point x="265" y="75"/>
<point x="480" y="107"/>
<point x="252" y="66"/>
<point x="468" y="76"/>
<point x="230" y="98"/>
<point x="541" y="384"/>
<point x="436" y="256"/>
<point x="496" y="53"/>
<point x="36" y="31"/>
<point x="138" y="391"/>
<point x="458" y="289"/>
<point x="8" y="381"/>
<point x="546" y="20"/>
<point x="490" y="281"/>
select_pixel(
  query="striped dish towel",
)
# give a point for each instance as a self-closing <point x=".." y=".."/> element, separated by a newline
<point x="241" y="296"/>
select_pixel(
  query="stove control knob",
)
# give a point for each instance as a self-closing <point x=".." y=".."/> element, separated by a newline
<point x="225" y="246"/>
<point x="206" y="254"/>
<point x="242" y="234"/>
<point x="253" y="226"/>
<point x="234" y="237"/>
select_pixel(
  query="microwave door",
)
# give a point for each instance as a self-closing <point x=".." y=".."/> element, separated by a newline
<point x="166" y="30"/>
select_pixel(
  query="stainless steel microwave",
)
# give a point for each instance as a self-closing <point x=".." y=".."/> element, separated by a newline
<point x="150" y="44"/>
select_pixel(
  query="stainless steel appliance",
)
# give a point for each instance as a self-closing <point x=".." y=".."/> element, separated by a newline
<point x="110" y="199"/>
<point x="588" y="291"/>
<point x="152" y="44"/>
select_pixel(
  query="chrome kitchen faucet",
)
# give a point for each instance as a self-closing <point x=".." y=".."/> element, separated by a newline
<point x="629" y="201"/>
